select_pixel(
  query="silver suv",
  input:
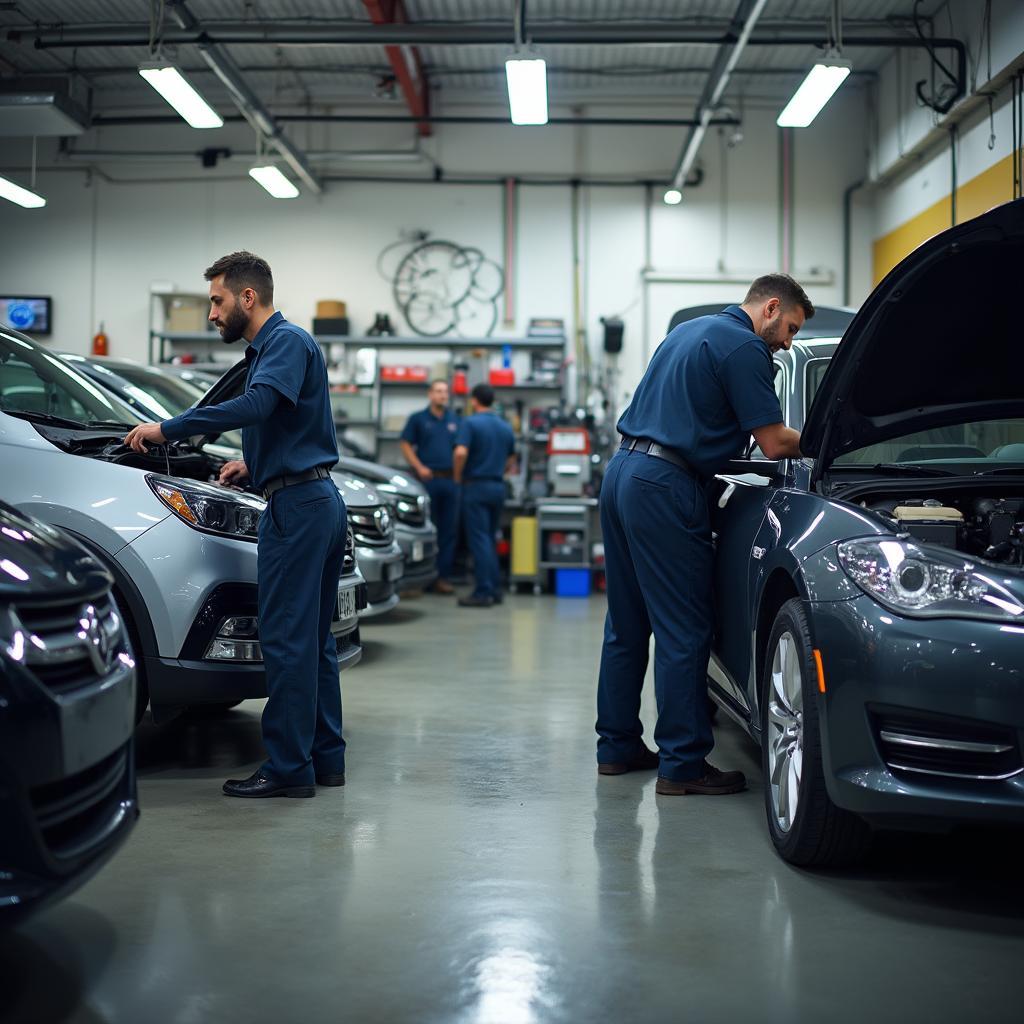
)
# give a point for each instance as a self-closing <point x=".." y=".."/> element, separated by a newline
<point x="181" y="549"/>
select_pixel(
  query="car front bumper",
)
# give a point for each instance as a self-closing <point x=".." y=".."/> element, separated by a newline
<point x="382" y="568"/>
<point x="419" y="548"/>
<point x="922" y="719"/>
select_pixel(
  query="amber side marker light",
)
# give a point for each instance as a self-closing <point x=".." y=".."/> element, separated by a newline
<point x="821" y="670"/>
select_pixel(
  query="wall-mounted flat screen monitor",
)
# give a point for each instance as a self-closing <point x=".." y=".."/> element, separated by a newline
<point x="31" y="314"/>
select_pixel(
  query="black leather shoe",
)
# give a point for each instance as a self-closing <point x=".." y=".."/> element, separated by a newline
<point x="498" y="598"/>
<point x="711" y="783"/>
<point x="475" y="602"/>
<point x="258" y="785"/>
<point x="644" y="762"/>
<point x="337" y="779"/>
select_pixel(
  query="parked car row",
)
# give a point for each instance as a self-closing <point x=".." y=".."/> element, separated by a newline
<point x="128" y="581"/>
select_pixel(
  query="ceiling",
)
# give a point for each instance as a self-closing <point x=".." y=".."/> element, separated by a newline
<point x="322" y="78"/>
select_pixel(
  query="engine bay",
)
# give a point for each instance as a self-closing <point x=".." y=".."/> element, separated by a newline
<point x="989" y="527"/>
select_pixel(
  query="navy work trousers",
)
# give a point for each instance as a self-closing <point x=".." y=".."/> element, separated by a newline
<point x="658" y="563"/>
<point x="444" y="511"/>
<point x="482" y="502"/>
<point x="301" y="551"/>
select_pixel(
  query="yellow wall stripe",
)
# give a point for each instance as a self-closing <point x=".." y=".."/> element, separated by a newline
<point x="981" y="193"/>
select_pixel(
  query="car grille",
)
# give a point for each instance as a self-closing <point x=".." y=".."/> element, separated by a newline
<point x="77" y="813"/>
<point x="927" y="744"/>
<point x="372" y="526"/>
<point x="71" y="645"/>
<point x="411" y="511"/>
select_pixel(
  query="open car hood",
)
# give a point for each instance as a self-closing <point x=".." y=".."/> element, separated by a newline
<point x="230" y="385"/>
<point x="939" y="341"/>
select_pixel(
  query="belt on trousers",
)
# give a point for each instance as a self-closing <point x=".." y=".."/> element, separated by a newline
<point x="289" y="479"/>
<point x="649" y="447"/>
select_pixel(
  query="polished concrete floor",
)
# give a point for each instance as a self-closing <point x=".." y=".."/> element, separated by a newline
<point x="475" y="869"/>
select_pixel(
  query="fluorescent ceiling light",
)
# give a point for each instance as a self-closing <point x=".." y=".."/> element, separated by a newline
<point x="172" y="85"/>
<point x="673" y="197"/>
<point x="814" y="92"/>
<point x="271" y="178"/>
<point x="19" y="195"/>
<point x="527" y="90"/>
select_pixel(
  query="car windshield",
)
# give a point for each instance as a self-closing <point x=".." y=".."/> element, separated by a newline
<point x="174" y="394"/>
<point x="995" y="443"/>
<point x="35" y="383"/>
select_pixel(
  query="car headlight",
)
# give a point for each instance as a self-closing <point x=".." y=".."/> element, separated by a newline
<point x="926" y="582"/>
<point x="208" y="508"/>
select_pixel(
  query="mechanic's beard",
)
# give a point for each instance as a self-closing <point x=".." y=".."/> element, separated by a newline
<point x="234" y="326"/>
<point x="771" y="334"/>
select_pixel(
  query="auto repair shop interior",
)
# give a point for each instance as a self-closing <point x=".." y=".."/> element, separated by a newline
<point x="466" y="202"/>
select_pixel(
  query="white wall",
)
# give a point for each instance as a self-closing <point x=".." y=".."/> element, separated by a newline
<point x="97" y="248"/>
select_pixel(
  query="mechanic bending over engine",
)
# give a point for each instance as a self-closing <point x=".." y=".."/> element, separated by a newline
<point x="289" y="447"/>
<point x="708" y="387"/>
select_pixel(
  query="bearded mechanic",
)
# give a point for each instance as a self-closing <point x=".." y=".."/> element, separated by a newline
<point x="708" y="387"/>
<point x="289" y="447"/>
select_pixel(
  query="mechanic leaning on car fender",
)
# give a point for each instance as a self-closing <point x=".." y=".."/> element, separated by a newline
<point x="707" y="389"/>
<point x="289" y="447"/>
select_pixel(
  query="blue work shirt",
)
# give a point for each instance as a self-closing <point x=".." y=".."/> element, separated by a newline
<point x="490" y="442"/>
<point x="707" y="387"/>
<point x="432" y="436"/>
<point x="285" y="414"/>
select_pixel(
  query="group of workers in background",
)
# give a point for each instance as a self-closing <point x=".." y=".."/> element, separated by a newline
<point x="463" y="463"/>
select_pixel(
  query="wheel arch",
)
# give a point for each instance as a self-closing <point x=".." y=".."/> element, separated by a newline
<point x="779" y="587"/>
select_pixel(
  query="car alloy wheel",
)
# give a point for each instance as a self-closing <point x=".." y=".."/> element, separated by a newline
<point x="785" y="731"/>
<point x="805" y="826"/>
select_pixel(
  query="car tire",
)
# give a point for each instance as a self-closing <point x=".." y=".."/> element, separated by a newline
<point x="806" y="828"/>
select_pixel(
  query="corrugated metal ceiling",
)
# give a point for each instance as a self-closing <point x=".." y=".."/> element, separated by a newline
<point x="346" y="74"/>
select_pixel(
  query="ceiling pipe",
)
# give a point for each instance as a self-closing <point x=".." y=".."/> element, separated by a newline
<point x="251" y="106"/>
<point x="712" y="32"/>
<point x="726" y="59"/>
<point x="406" y="61"/>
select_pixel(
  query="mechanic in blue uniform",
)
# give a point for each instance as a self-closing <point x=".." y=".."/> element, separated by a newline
<point x="484" y="453"/>
<point x="289" y="447"/>
<point x="428" y="443"/>
<point x="708" y="387"/>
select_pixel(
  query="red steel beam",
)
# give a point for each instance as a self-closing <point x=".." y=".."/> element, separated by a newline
<point x="405" y="61"/>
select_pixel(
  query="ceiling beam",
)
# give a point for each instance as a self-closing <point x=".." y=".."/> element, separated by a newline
<point x="251" y="106"/>
<point x="405" y="61"/>
<point x="741" y="27"/>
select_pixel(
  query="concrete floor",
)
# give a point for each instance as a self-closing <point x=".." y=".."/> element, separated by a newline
<point x="476" y="870"/>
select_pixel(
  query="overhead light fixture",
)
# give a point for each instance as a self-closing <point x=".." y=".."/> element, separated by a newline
<point x="22" y="196"/>
<point x="814" y="92"/>
<point x="175" y="88"/>
<point x="527" y="90"/>
<point x="271" y="178"/>
<point x="673" y="197"/>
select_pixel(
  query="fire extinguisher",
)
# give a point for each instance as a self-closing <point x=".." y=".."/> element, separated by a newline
<point x="100" y="343"/>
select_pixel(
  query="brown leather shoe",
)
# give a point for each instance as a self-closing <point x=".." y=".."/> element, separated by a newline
<point x="442" y="587"/>
<point x="645" y="762"/>
<point x="711" y="783"/>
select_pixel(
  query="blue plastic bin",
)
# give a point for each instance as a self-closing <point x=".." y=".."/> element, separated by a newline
<point x="572" y="583"/>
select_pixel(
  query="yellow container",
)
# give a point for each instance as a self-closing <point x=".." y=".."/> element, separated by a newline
<point x="524" y="547"/>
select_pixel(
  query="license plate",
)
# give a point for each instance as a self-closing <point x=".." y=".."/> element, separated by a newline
<point x="346" y="603"/>
<point x="417" y="551"/>
<point x="395" y="570"/>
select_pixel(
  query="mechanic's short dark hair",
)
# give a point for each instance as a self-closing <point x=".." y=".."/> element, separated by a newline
<point x="244" y="270"/>
<point x="437" y="380"/>
<point x="783" y="288"/>
<point x="484" y="395"/>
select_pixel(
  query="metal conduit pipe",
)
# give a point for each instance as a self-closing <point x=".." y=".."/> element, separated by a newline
<point x="714" y="32"/>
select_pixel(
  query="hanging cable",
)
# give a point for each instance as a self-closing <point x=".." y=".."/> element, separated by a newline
<point x="942" y="98"/>
<point x="954" y="138"/>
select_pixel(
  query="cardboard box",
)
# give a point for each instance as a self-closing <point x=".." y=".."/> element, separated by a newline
<point x="186" y="313"/>
<point x="329" y="309"/>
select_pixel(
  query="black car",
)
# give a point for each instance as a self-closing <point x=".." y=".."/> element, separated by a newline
<point x="67" y="714"/>
<point x="870" y="596"/>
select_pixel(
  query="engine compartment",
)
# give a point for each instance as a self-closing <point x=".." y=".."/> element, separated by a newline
<point x="989" y="526"/>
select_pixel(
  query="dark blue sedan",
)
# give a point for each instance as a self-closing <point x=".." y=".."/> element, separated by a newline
<point x="870" y="596"/>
